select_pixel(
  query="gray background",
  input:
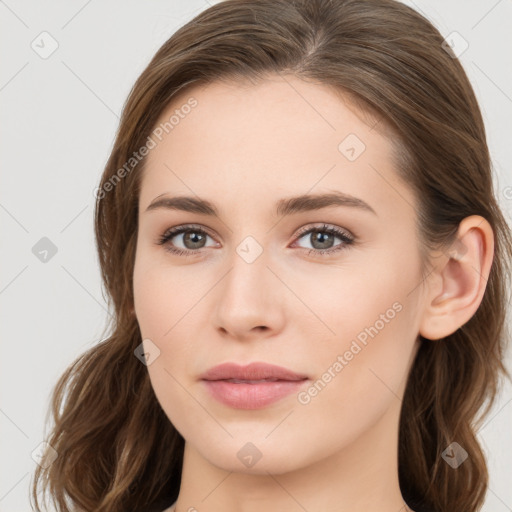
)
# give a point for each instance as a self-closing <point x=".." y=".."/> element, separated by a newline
<point x="59" y="116"/>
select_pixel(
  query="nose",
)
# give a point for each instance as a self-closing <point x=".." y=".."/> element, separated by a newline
<point x="249" y="300"/>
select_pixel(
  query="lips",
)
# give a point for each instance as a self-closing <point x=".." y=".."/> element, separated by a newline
<point x="254" y="386"/>
<point x="253" y="373"/>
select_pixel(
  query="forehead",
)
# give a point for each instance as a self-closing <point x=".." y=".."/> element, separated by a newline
<point x="278" y="137"/>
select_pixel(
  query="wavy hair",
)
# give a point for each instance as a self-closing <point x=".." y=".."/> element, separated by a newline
<point x="117" y="450"/>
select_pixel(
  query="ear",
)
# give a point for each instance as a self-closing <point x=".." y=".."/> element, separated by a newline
<point x="457" y="284"/>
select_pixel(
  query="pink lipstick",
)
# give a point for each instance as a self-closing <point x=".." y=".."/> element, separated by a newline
<point x="254" y="386"/>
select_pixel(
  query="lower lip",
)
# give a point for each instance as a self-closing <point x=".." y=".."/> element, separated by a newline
<point x="252" y="396"/>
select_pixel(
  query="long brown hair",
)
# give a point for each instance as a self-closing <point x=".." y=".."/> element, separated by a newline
<point x="116" y="448"/>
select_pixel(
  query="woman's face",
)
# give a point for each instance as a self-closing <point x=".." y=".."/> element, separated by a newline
<point x="256" y="283"/>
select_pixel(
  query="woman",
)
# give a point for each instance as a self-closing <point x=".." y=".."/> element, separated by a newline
<point x="308" y="266"/>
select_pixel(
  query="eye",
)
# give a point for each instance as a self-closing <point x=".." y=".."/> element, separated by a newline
<point x="194" y="238"/>
<point x="322" y="239"/>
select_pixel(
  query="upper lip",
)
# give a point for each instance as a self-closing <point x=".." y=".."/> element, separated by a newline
<point x="253" y="371"/>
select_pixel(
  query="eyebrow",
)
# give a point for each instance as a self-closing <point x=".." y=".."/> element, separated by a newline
<point x="284" y="207"/>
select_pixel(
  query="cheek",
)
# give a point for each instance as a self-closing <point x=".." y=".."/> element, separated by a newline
<point x="351" y="299"/>
<point x="360" y="381"/>
<point x="150" y="299"/>
<point x="162" y="299"/>
<point x="161" y="295"/>
<point x="373" y="318"/>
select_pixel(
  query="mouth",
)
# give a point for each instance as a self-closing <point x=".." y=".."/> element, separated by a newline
<point x="254" y="386"/>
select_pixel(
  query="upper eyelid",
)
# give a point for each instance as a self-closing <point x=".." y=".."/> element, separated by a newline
<point x="324" y="226"/>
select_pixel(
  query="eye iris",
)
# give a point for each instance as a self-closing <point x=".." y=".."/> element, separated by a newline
<point x="195" y="238"/>
<point x="321" y="236"/>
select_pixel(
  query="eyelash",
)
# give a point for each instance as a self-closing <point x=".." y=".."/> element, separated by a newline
<point x="346" y="239"/>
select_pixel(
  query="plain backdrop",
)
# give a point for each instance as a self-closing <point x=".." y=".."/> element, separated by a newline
<point x="59" y="116"/>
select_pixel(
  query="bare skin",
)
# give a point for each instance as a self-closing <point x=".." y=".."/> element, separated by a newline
<point x="243" y="148"/>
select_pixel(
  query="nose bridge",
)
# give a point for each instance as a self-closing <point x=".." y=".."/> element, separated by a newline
<point x="249" y="273"/>
<point x="247" y="298"/>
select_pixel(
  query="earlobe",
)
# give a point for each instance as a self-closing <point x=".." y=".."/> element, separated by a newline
<point x="460" y="278"/>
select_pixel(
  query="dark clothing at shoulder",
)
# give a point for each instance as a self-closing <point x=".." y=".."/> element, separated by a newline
<point x="160" y="506"/>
